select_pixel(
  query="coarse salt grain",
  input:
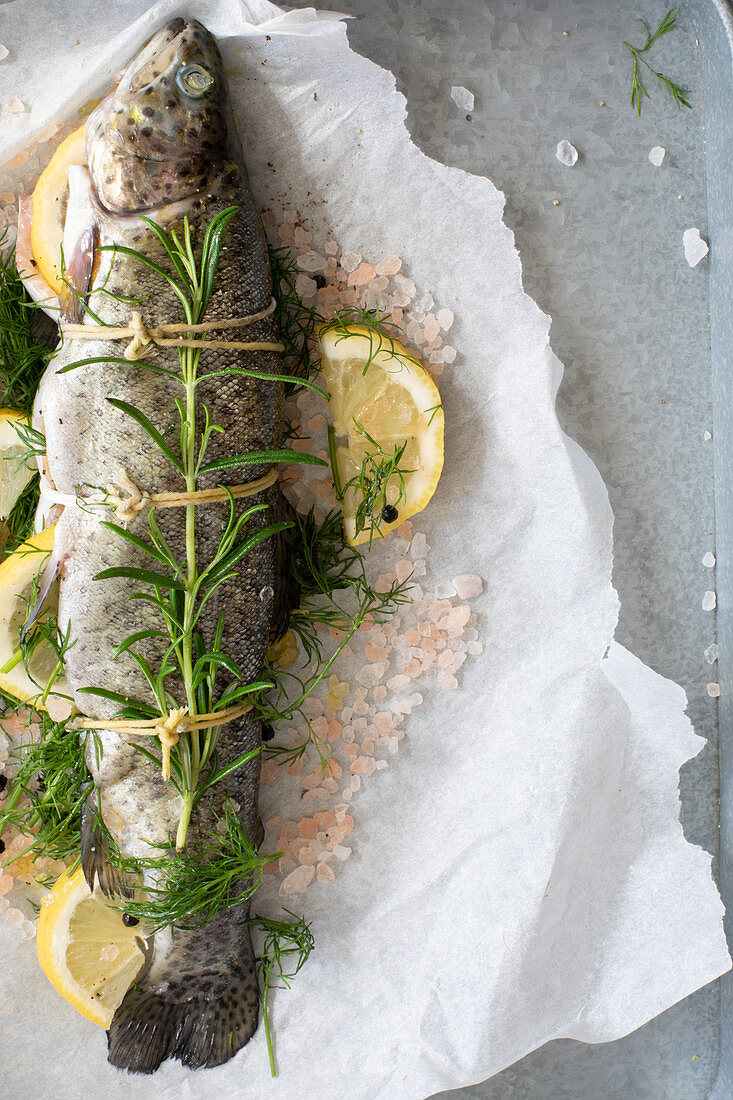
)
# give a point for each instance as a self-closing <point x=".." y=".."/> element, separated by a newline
<point x="467" y="585"/>
<point x="14" y="106"/>
<point x="449" y="354"/>
<point x="445" y="318"/>
<point x="431" y="328"/>
<point x="302" y="237"/>
<point x="713" y="690"/>
<point x="305" y="287"/>
<point x="297" y="881"/>
<point x="388" y="265"/>
<point x="656" y="155"/>
<point x="462" y="97"/>
<point x="4" y="52"/>
<point x="341" y="852"/>
<point x="6" y="883"/>
<point x="311" y="261"/>
<point x="14" y="917"/>
<point x="708" y="601"/>
<point x="711" y="653"/>
<point x="361" y="275"/>
<point x="350" y="260"/>
<point x="708" y="560"/>
<point x="331" y="248"/>
<point x="695" y="247"/>
<point x="324" y="873"/>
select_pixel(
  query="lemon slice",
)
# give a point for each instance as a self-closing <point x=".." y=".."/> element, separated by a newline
<point x="49" y="208"/>
<point x="86" y="951"/>
<point x="388" y="421"/>
<point x="18" y="573"/>
<point x="17" y="469"/>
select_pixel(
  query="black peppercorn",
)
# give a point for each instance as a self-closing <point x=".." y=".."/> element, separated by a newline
<point x="389" y="513"/>
<point x="129" y="921"/>
<point x="267" y="732"/>
<point x="3" y="782"/>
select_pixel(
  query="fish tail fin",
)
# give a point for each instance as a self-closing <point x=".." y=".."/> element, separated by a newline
<point x="200" y="1021"/>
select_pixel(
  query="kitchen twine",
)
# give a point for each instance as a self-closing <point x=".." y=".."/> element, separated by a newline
<point x="167" y="728"/>
<point x="128" y="500"/>
<point x="143" y="338"/>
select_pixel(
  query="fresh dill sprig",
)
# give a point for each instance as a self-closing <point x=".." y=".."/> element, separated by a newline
<point x="187" y="889"/>
<point x="638" y="91"/>
<point x="380" y="471"/>
<point x="20" y="524"/>
<point x="48" y="790"/>
<point x="377" y="330"/>
<point x="296" y="322"/>
<point x="23" y="357"/>
<point x="286" y="948"/>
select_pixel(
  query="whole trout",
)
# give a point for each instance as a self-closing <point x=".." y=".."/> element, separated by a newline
<point x="163" y="145"/>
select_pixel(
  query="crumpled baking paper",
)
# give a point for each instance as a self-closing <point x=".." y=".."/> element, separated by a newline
<point x="520" y="873"/>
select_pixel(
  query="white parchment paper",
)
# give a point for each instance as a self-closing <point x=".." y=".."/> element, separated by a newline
<point x="520" y="873"/>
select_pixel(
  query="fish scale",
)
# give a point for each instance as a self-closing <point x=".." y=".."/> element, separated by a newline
<point x="197" y="999"/>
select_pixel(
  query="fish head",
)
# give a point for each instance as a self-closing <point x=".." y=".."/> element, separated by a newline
<point x="165" y="133"/>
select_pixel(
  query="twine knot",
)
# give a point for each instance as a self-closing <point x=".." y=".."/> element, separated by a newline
<point x="141" y="338"/>
<point x="127" y="498"/>
<point x="168" y="731"/>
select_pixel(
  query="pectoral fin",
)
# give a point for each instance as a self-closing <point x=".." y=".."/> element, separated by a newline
<point x="95" y="860"/>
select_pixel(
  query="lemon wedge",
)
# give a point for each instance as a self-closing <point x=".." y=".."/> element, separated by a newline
<point x="86" y="951"/>
<point x="18" y="573"/>
<point x="49" y="208"/>
<point x="388" y="423"/>
<point x="17" y="469"/>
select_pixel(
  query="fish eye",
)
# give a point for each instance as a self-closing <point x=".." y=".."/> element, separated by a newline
<point x="194" y="80"/>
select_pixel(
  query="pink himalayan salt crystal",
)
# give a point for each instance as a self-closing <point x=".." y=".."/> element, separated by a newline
<point x="109" y="952"/>
<point x="396" y="316"/>
<point x="412" y="668"/>
<point x="324" y="873"/>
<point x="361" y="275"/>
<point x="431" y="328"/>
<point x="335" y="729"/>
<point x="388" y="265"/>
<point x="307" y="856"/>
<point x="459" y="616"/>
<point x="449" y="683"/>
<point x="302" y="237"/>
<point x="375" y="653"/>
<point x="449" y="354"/>
<point x="14" y="106"/>
<point x="393" y="745"/>
<point x="305" y="287"/>
<point x="341" y="852"/>
<point x="405" y="530"/>
<point x="330" y="786"/>
<point x="412" y="636"/>
<point x="29" y="930"/>
<point x="6" y="883"/>
<point x="331" y="248"/>
<point x="297" y="882"/>
<point x="384" y="582"/>
<point x="290" y="217"/>
<point x="285" y="233"/>
<point x="324" y="819"/>
<point x="468" y="585"/>
<point x="403" y="569"/>
<point x="317" y="423"/>
<point x="308" y="828"/>
<point x="445" y="318"/>
<point x="329" y="295"/>
<point x="383" y="721"/>
<point x="379" y="693"/>
<point x="350" y="260"/>
<point x="397" y="683"/>
<point x="14" y="917"/>
<point x="311" y="261"/>
<point x="7" y="196"/>
<point x="363" y="765"/>
<point x="419" y="545"/>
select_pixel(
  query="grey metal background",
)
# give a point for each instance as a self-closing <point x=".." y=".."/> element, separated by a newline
<point x="630" y="321"/>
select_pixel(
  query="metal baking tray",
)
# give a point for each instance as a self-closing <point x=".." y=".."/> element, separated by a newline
<point x="647" y="344"/>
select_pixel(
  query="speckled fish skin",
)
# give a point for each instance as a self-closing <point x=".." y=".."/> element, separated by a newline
<point x="152" y="148"/>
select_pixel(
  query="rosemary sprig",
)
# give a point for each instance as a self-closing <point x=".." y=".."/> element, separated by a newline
<point x="638" y="91"/>
<point x="286" y="948"/>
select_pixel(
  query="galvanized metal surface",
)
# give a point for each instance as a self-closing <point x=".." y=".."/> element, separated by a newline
<point x="601" y="246"/>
